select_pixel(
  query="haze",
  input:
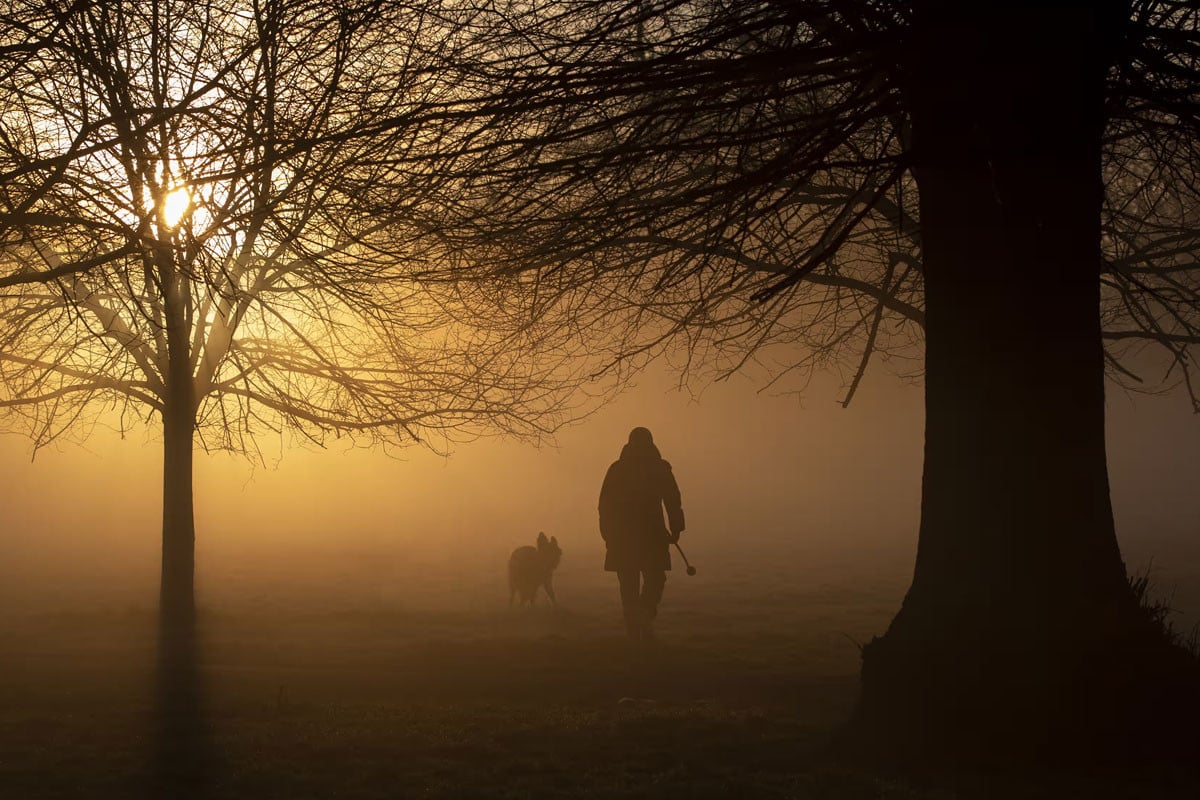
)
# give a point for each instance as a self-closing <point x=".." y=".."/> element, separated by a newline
<point x="769" y="483"/>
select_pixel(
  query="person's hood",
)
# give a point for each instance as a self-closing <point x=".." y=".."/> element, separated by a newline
<point x="640" y="452"/>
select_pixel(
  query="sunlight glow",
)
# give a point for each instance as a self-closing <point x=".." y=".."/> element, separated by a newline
<point x="176" y="205"/>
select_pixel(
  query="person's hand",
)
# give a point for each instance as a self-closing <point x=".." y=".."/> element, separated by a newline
<point x="673" y="538"/>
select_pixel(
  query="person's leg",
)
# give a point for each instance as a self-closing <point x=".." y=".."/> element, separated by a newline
<point x="652" y="592"/>
<point x="630" y="602"/>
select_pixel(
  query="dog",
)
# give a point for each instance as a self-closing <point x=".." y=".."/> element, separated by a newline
<point x="531" y="567"/>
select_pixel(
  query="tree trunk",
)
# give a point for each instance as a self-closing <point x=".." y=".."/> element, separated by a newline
<point x="176" y="591"/>
<point x="1019" y="595"/>
<point x="177" y="598"/>
<point x="182" y="756"/>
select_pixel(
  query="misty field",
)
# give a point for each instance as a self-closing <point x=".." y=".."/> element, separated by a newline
<point x="385" y="675"/>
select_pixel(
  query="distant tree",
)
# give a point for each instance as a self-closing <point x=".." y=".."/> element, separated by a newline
<point x="1012" y="184"/>
<point x="210" y="220"/>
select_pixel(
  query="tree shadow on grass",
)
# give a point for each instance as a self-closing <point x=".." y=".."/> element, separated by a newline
<point x="183" y="753"/>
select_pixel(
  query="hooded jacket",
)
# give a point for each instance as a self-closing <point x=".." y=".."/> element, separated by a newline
<point x="636" y="489"/>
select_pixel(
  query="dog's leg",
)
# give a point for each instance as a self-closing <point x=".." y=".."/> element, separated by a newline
<point x="550" y="592"/>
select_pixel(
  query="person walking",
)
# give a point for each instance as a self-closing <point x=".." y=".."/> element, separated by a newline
<point x="636" y="489"/>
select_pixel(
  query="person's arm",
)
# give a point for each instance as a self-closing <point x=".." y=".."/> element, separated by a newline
<point x="606" y="503"/>
<point x="673" y="503"/>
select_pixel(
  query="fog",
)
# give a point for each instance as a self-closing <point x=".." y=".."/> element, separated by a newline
<point x="767" y="480"/>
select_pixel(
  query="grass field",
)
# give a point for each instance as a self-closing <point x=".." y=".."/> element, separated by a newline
<point x="360" y="676"/>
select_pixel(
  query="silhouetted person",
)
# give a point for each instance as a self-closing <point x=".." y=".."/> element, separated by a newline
<point x="636" y="489"/>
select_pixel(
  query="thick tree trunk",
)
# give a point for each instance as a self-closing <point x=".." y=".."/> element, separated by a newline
<point x="1019" y="604"/>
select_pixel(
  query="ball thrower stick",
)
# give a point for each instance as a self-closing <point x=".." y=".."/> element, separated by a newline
<point x="690" y="569"/>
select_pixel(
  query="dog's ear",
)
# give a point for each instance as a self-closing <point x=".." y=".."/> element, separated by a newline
<point x="542" y="540"/>
<point x="554" y="542"/>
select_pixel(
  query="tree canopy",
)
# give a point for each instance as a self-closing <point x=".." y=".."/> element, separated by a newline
<point x="740" y="174"/>
<point x="237" y="193"/>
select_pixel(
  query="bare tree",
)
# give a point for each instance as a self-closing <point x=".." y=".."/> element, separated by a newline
<point x="212" y="218"/>
<point x="993" y="180"/>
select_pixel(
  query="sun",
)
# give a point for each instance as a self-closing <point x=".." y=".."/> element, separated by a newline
<point x="175" y="205"/>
